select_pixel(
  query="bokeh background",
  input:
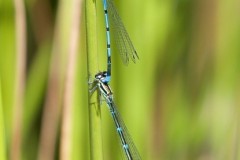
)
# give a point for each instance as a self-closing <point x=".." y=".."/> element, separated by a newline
<point x="180" y="101"/>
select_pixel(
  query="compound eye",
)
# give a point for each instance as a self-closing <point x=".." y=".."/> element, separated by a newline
<point x="104" y="73"/>
<point x="98" y="76"/>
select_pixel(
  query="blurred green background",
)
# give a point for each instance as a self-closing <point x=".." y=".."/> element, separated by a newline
<point x="179" y="101"/>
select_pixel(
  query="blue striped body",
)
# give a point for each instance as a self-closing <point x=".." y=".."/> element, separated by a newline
<point x="108" y="78"/>
<point x="128" y="146"/>
<point x="126" y="51"/>
<point x="122" y="39"/>
<point x="119" y="127"/>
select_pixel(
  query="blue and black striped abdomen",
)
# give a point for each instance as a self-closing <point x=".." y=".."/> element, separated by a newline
<point x="130" y="150"/>
<point x="108" y="41"/>
<point x="123" y="42"/>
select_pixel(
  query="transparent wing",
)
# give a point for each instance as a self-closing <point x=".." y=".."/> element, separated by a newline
<point x="122" y="39"/>
<point x="133" y="150"/>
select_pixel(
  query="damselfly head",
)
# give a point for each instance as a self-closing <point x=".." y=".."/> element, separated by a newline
<point x="101" y="75"/>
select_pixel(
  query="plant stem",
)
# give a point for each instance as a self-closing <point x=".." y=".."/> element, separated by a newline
<point x="20" y="22"/>
<point x="67" y="114"/>
<point x="2" y="130"/>
<point x="93" y="104"/>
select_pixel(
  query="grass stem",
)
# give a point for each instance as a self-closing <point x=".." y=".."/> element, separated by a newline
<point x="93" y="104"/>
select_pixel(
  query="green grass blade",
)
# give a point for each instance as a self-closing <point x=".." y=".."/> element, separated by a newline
<point x="93" y="104"/>
<point x="2" y="130"/>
